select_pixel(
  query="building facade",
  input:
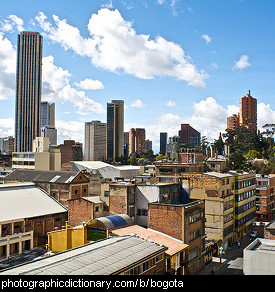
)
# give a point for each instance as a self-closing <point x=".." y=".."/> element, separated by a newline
<point x="115" y="129"/>
<point x="28" y="90"/>
<point x="184" y="222"/>
<point x="248" y="112"/>
<point x="136" y="141"/>
<point x="162" y="143"/>
<point x="233" y="122"/>
<point x="265" y="198"/>
<point x="95" y="141"/>
<point x="189" y="136"/>
<point x="245" y="203"/>
<point x="71" y="151"/>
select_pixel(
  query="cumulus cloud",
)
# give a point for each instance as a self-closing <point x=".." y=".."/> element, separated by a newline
<point x="115" y="46"/>
<point x="242" y="63"/>
<point x="90" y="84"/>
<point x="138" y="103"/>
<point x="70" y="130"/>
<point x="7" y="68"/>
<point x="57" y="87"/>
<point x="6" y="127"/>
<point x="265" y="115"/>
<point x="12" y="22"/>
<point x="207" y="38"/>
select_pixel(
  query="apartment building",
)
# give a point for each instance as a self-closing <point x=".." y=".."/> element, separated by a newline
<point x="136" y="141"/>
<point x="185" y="222"/>
<point x="265" y="204"/>
<point x="245" y="202"/>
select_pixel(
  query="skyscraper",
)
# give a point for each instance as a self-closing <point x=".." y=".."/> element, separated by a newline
<point x="95" y="141"/>
<point x="136" y="141"/>
<point x="28" y="90"/>
<point x="248" y="112"/>
<point x="47" y="114"/>
<point x="48" y="121"/>
<point x="115" y="129"/>
<point x="162" y="143"/>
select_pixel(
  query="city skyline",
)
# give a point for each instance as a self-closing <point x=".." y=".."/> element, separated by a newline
<point x="172" y="62"/>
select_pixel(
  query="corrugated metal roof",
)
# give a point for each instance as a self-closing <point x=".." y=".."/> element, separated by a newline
<point x="41" y="175"/>
<point x="113" y="221"/>
<point x="104" y="257"/>
<point x="25" y="200"/>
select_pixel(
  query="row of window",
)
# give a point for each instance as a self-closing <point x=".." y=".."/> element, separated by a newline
<point x="140" y="269"/>
<point x="228" y="217"/>
<point x="195" y="217"/>
<point x="23" y="155"/>
<point x="195" y="234"/>
<point x="245" y="219"/>
<point x="245" y="207"/>
<point x="14" y="162"/>
<point x="245" y="195"/>
<point x="228" y="230"/>
<point x="227" y="205"/>
<point x="245" y="183"/>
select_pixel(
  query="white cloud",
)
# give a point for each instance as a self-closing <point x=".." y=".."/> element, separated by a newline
<point x="6" y="127"/>
<point x="170" y="103"/>
<point x="138" y="103"/>
<point x="12" y="22"/>
<point x="17" y="21"/>
<point x="7" y="68"/>
<point x="70" y="130"/>
<point x="242" y="63"/>
<point x="115" y="46"/>
<point x="90" y="84"/>
<point x="108" y="5"/>
<point x="207" y="38"/>
<point x="56" y="87"/>
<point x="265" y="115"/>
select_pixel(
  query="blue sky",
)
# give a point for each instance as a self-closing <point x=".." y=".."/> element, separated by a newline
<point x="171" y="61"/>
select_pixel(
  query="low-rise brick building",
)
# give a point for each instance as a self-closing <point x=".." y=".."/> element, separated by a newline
<point x="85" y="209"/>
<point x="62" y="185"/>
<point x="265" y="198"/>
<point x="27" y="213"/>
<point x="185" y="222"/>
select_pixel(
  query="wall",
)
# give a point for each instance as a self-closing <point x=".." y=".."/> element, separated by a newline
<point x="80" y="210"/>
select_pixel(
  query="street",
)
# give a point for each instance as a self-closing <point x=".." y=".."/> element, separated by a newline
<point x="231" y="262"/>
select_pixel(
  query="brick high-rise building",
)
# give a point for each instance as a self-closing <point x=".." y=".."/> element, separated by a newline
<point x="233" y="122"/>
<point x="136" y="141"/>
<point x="28" y="90"/>
<point x="248" y="112"/>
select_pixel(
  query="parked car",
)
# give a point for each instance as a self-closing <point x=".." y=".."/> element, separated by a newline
<point x="253" y="234"/>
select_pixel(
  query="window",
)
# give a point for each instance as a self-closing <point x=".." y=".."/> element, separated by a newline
<point x="193" y="253"/>
<point x="97" y="209"/>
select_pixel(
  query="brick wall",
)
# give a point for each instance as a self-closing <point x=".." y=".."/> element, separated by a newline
<point x="167" y="219"/>
<point x="43" y="224"/>
<point x="117" y="205"/>
<point x="80" y="210"/>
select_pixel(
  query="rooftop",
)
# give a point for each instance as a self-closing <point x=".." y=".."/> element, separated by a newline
<point x="25" y="200"/>
<point x="262" y="245"/>
<point x="174" y="245"/>
<point x="104" y="257"/>
<point x="42" y="175"/>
